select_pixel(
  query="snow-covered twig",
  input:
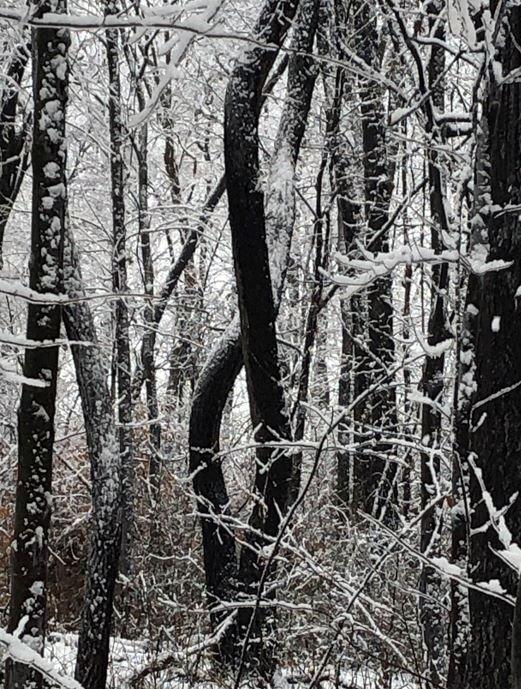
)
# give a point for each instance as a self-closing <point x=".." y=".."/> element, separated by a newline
<point x="375" y="266"/>
<point x="443" y="566"/>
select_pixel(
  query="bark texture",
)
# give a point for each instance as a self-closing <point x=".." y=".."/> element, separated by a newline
<point x="431" y="421"/>
<point x="495" y="418"/>
<point x="374" y="477"/>
<point x="122" y="365"/>
<point x="37" y="405"/>
<point x="105" y="469"/>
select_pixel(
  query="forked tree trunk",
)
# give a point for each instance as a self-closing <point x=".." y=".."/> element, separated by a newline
<point x="225" y="361"/>
<point x="257" y="315"/>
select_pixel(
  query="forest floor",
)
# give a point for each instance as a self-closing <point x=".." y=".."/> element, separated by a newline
<point x="128" y="657"/>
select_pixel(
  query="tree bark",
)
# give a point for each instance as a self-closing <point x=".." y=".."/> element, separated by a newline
<point x="119" y="284"/>
<point x="495" y="418"/>
<point x="37" y="405"/>
<point x="105" y="469"/>
<point x="374" y="477"/>
<point x="432" y="383"/>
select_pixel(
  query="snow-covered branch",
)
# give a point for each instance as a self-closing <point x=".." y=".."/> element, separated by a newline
<point x="20" y="652"/>
<point x="375" y="266"/>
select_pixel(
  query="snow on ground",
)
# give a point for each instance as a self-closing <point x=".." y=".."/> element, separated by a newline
<point x="128" y="657"/>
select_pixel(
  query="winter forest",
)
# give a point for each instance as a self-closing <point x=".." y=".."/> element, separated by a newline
<point x="260" y="368"/>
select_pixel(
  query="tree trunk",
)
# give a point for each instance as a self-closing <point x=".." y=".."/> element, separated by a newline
<point x="348" y="211"/>
<point x="37" y="404"/>
<point x="432" y="383"/>
<point x="496" y="418"/>
<point x="374" y="477"/>
<point x="225" y="361"/>
<point x="257" y="315"/>
<point x="119" y="284"/>
<point x="105" y="525"/>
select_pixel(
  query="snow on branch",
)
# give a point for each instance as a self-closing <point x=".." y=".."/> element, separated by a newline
<point x="20" y="652"/>
<point x="16" y="289"/>
<point x="12" y="377"/>
<point x="511" y="554"/>
<point x="375" y="266"/>
<point x="443" y="566"/>
<point x="90" y="22"/>
<point x="177" y="48"/>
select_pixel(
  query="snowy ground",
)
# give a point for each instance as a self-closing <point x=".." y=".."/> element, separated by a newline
<point x="128" y="657"/>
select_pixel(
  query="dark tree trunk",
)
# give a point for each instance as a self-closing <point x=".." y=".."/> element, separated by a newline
<point x="225" y="361"/>
<point x="310" y="335"/>
<point x="516" y="641"/>
<point x="119" y="284"/>
<point x="102" y="566"/>
<point x="37" y="404"/>
<point x="148" y="358"/>
<point x="257" y="314"/>
<point x="459" y="625"/>
<point x="374" y="477"/>
<point x="220" y="559"/>
<point x="280" y="207"/>
<point x="496" y="410"/>
<point x="348" y="211"/>
<point x="432" y="383"/>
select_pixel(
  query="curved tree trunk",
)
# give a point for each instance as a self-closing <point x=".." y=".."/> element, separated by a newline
<point x="225" y="361"/>
<point x="257" y="316"/>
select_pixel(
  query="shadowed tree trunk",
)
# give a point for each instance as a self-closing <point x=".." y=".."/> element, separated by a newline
<point x="430" y="581"/>
<point x="374" y="477"/>
<point x="36" y="413"/>
<point x="496" y="404"/>
<point x="257" y="316"/>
